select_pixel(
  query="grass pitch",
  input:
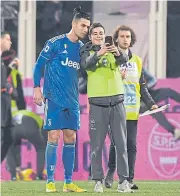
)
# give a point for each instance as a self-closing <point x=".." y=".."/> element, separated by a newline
<point x="37" y="188"/>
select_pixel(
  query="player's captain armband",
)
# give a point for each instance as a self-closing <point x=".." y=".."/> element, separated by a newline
<point x="48" y="50"/>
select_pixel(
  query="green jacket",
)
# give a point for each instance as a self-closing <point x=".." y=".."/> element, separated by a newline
<point x="104" y="78"/>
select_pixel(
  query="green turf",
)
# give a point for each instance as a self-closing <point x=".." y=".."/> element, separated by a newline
<point x="37" y="188"/>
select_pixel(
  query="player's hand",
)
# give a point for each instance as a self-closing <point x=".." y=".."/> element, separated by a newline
<point x="154" y="107"/>
<point x="104" y="49"/>
<point x="38" y="97"/>
<point x="113" y="49"/>
<point x="123" y="73"/>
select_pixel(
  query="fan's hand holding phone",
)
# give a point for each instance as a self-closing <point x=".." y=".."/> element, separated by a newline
<point x="111" y="47"/>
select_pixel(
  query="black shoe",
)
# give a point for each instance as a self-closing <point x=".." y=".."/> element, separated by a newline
<point x="108" y="181"/>
<point x="133" y="186"/>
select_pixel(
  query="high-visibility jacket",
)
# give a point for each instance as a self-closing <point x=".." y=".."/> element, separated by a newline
<point x="132" y="87"/>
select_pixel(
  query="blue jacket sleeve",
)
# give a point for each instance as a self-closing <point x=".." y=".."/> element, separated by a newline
<point x="150" y="79"/>
<point x="45" y="56"/>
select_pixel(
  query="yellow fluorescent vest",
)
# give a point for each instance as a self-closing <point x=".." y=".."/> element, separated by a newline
<point x="37" y="118"/>
<point x="106" y="79"/>
<point x="132" y="87"/>
<point x="14" y="73"/>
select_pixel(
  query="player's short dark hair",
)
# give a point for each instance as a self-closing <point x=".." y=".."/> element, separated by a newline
<point x="125" y="28"/>
<point x="78" y="14"/>
<point x="95" y="25"/>
<point x="3" y="33"/>
<point x="8" y="56"/>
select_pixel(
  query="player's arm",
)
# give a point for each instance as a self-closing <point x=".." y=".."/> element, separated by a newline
<point x="145" y="95"/>
<point x="150" y="79"/>
<point x="45" y="56"/>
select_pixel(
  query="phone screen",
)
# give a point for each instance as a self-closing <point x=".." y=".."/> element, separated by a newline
<point x="109" y="40"/>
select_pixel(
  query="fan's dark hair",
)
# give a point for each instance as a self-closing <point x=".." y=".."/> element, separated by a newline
<point x="95" y="25"/>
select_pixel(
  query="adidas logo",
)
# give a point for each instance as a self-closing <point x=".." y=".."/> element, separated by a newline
<point x="65" y="52"/>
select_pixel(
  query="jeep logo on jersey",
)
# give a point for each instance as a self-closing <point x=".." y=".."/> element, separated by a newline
<point x="70" y="63"/>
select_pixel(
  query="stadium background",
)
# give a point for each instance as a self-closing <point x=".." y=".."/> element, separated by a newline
<point x="157" y="26"/>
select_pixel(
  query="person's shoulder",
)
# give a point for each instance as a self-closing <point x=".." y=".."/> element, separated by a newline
<point x="86" y="47"/>
<point x="137" y="58"/>
<point x="81" y="43"/>
<point x="58" y="38"/>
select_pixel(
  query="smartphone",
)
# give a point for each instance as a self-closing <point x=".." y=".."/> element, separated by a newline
<point x="109" y="40"/>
